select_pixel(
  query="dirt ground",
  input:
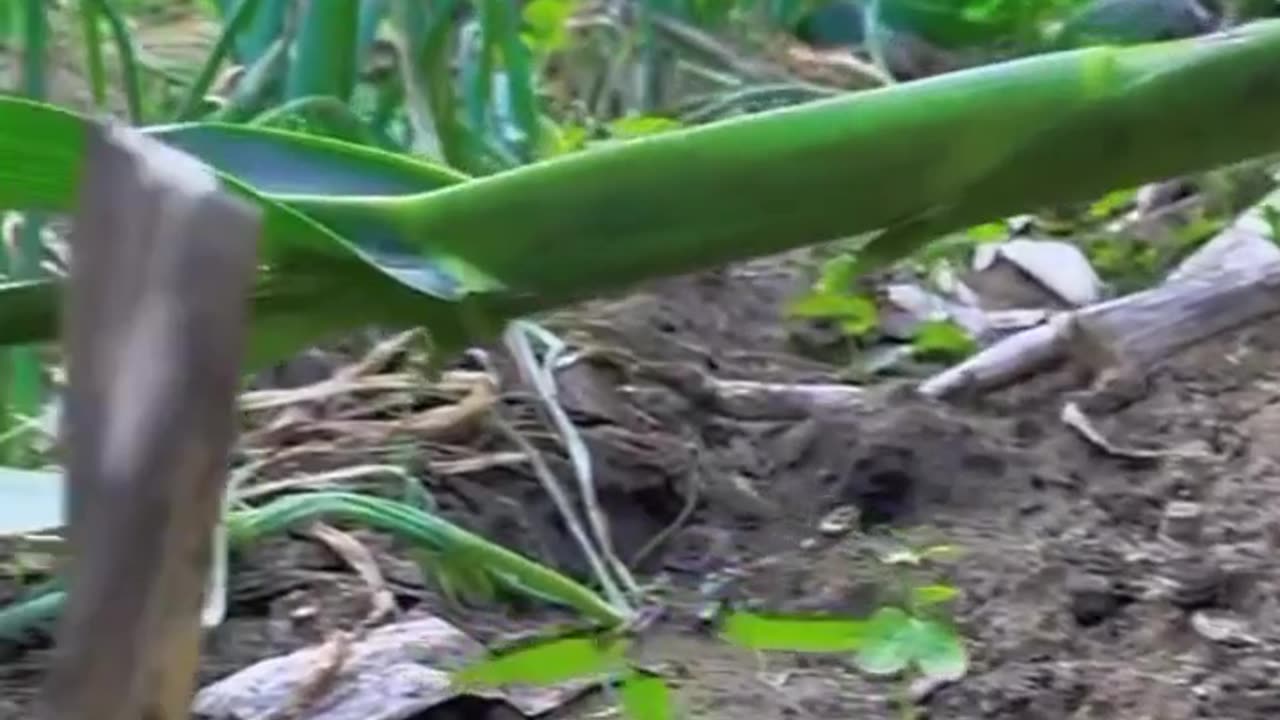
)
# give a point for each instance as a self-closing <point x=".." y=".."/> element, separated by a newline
<point x="1074" y="604"/>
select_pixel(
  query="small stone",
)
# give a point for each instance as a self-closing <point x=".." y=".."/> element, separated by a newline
<point x="1196" y="582"/>
<point x="1221" y="628"/>
<point x="1092" y="598"/>
<point x="839" y="521"/>
<point x="1183" y="522"/>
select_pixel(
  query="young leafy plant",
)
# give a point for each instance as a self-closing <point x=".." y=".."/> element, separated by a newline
<point x="909" y="637"/>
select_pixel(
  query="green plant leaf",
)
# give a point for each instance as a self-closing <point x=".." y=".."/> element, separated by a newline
<point x="889" y="643"/>
<point x="30" y="501"/>
<point x="547" y="661"/>
<point x="645" y="696"/>
<point x="833" y="306"/>
<point x="926" y="595"/>
<point x="942" y="340"/>
<point x="427" y="531"/>
<point x="896" y="640"/>
<point x="912" y="162"/>
<point x="324" y="53"/>
<point x="637" y="126"/>
<point x="938" y="650"/>
<point x="799" y="633"/>
<point x="545" y="23"/>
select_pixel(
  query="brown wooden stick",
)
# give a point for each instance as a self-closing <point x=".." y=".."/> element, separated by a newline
<point x="162" y="261"/>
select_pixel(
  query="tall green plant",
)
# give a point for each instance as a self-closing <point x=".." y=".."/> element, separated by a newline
<point x="394" y="241"/>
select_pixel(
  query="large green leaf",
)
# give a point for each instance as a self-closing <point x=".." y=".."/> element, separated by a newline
<point x="902" y="164"/>
<point x="375" y="280"/>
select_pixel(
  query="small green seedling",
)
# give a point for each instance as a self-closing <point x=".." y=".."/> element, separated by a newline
<point x="942" y="340"/>
<point x="909" y="637"/>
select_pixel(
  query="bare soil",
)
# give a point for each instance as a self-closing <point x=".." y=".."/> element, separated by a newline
<point x="1074" y="604"/>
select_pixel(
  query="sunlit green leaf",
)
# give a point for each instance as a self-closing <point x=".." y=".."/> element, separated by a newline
<point x="1108" y="204"/>
<point x="547" y="661"/>
<point x="830" y="305"/>
<point x="646" y="697"/>
<point x="546" y="23"/>
<point x="641" y="125"/>
<point x="926" y="595"/>
<point x="943" y="340"/>
<point x="800" y="633"/>
<point x="988" y="232"/>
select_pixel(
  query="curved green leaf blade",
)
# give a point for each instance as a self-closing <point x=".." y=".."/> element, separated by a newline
<point x="799" y="633"/>
<point x="547" y="661"/>
<point x="324" y="61"/>
<point x="280" y="162"/>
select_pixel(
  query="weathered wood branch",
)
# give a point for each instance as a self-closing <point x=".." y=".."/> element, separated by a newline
<point x="1229" y="282"/>
<point x="162" y="261"/>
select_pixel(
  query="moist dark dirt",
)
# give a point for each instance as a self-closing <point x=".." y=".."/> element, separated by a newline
<point x="1074" y="603"/>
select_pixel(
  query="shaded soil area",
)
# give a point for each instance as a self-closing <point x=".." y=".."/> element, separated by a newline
<point x="1075" y="603"/>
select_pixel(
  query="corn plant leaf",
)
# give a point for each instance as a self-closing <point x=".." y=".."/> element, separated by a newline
<point x="547" y="661"/>
<point x="324" y="61"/>
<point x="646" y="697"/>
<point x="30" y="501"/>
<point x="518" y="103"/>
<point x="800" y="633"/>
<point x="321" y="264"/>
<point x="279" y="162"/>
<point x="917" y="160"/>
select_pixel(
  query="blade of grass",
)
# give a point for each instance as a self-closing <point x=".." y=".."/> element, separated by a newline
<point x="324" y="60"/>
<point x="92" y="34"/>
<point x="125" y="48"/>
<point x="502" y="32"/>
<point x="266" y="25"/>
<point x="234" y="25"/>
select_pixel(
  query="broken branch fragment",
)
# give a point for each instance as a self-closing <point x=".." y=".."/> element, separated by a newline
<point x="1229" y="282"/>
<point x="162" y="262"/>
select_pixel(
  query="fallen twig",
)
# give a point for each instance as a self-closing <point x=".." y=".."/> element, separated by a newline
<point x="1229" y="282"/>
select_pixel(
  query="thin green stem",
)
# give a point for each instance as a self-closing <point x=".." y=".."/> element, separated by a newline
<point x="93" y="51"/>
<point x="128" y="58"/>
<point x="236" y="23"/>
